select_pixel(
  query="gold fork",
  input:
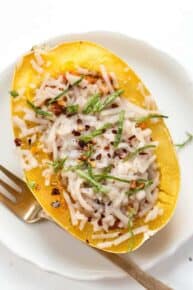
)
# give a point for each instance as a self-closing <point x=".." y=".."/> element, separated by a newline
<point x="28" y="209"/>
<point x="25" y="206"/>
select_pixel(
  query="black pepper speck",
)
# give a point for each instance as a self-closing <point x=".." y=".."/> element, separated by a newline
<point x="55" y="191"/>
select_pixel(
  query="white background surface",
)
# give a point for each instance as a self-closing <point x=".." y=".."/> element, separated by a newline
<point x="167" y="25"/>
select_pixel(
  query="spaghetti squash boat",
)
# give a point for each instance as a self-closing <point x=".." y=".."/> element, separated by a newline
<point x="94" y="148"/>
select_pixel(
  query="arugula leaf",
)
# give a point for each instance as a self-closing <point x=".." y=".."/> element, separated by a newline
<point x="14" y="93"/>
<point x="120" y="128"/>
<point x="91" y="104"/>
<point x="148" y="117"/>
<point x="62" y="94"/>
<point x="38" y="111"/>
<point x="186" y="142"/>
<point x="94" y="133"/>
<point x="109" y="100"/>
<point x="137" y="151"/>
<point x="91" y="180"/>
<point x="72" y="109"/>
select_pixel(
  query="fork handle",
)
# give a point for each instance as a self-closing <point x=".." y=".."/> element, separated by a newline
<point x="131" y="268"/>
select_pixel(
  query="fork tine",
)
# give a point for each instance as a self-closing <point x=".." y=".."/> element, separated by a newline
<point x="12" y="176"/>
<point x="7" y="202"/>
<point x="9" y="188"/>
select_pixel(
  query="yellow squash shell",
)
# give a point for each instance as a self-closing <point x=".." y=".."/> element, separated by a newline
<point x="68" y="56"/>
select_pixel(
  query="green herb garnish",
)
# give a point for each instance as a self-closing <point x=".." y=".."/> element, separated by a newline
<point x="91" y="180"/>
<point x="146" y="183"/>
<point x="91" y="104"/>
<point x="148" y="117"/>
<point x="62" y="94"/>
<point x="88" y="153"/>
<point x="107" y="176"/>
<point x="120" y="128"/>
<point x="81" y="165"/>
<point x="14" y="93"/>
<point x="31" y="184"/>
<point x="186" y="142"/>
<point x="107" y="169"/>
<point x="72" y="109"/>
<point x="109" y="100"/>
<point x="58" y="164"/>
<point x="137" y="151"/>
<point x="90" y="171"/>
<point x="38" y="111"/>
<point x="94" y="133"/>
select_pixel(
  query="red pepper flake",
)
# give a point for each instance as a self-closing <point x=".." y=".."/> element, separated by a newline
<point x="83" y="158"/>
<point x="85" y="184"/>
<point x="97" y="201"/>
<point x="100" y="222"/>
<point x="29" y="141"/>
<point x="79" y="121"/>
<point x="133" y="184"/>
<point x="99" y="156"/>
<point x="107" y="147"/>
<point x="82" y="144"/>
<point x="55" y="191"/>
<point x="114" y="105"/>
<point x="17" y="142"/>
<point x="76" y="133"/>
<point x="143" y="153"/>
<point x="131" y="137"/>
<point x="120" y="153"/>
<point x="142" y="125"/>
<point x="64" y="79"/>
<point x="55" y="204"/>
<point x="109" y="155"/>
<point x="114" y="131"/>
<point x="57" y="109"/>
<point x="87" y="241"/>
<point x="89" y="219"/>
<point x="87" y="127"/>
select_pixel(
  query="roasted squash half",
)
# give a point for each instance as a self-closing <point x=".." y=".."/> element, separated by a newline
<point x="66" y="57"/>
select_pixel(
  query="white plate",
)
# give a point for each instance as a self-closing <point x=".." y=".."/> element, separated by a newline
<point x="54" y="250"/>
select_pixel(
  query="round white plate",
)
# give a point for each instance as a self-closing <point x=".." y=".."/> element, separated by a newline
<point x="51" y="248"/>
